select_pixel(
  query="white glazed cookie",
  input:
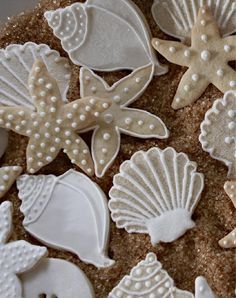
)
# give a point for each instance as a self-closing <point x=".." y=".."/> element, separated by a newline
<point x="156" y="193"/>
<point x="104" y="35"/>
<point x="15" y="257"/>
<point x="74" y="206"/>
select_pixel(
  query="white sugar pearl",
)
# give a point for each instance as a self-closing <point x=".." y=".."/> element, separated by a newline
<point x="67" y="133"/>
<point x="53" y="99"/>
<point x="75" y="151"/>
<point x="204" y="37"/>
<point x="232" y="84"/>
<point x="106" y="136"/>
<point x="187" y="53"/>
<point x="83" y="162"/>
<point x="227" y="48"/>
<point x="172" y="50"/>
<point x="82" y="117"/>
<point x="220" y="72"/>
<point x="205" y="55"/>
<point x="195" y="77"/>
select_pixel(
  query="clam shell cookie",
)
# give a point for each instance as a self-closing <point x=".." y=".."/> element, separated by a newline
<point x="71" y="204"/>
<point x="207" y="59"/>
<point x="15" y="257"/>
<point x="8" y="176"/>
<point x="54" y="124"/>
<point x="119" y="24"/>
<point x="156" y="193"/>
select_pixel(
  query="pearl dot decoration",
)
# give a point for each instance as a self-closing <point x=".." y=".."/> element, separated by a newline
<point x="8" y="176"/>
<point x="50" y="126"/>
<point x="119" y="118"/>
<point x="209" y="61"/>
<point x="148" y="279"/>
<point x="15" y="257"/>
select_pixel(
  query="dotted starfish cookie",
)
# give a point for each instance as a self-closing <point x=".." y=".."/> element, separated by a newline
<point x="54" y="124"/>
<point x="229" y="241"/>
<point x="15" y="257"/>
<point x="207" y="59"/>
<point x="8" y="176"/>
<point x="118" y="118"/>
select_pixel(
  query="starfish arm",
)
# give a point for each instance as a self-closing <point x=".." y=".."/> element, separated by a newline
<point x="8" y="176"/>
<point x="41" y="151"/>
<point x="105" y="147"/>
<point x="13" y="283"/>
<point x="229" y="241"/>
<point x="43" y="88"/>
<point x="191" y="84"/>
<point x="122" y="92"/>
<point x="79" y="154"/>
<point x="17" y="119"/>
<point x="229" y="44"/>
<point x="205" y="25"/>
<point x="5" y="221"/>
<point x="83" y="113"/>
<point x="173" y="51"/>
<point x="227" y="81"/>
<point x="30" y="255"/>
<point x="141" y="124"/>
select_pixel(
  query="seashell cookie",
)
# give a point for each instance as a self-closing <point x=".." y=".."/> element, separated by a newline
<point x="207" y="60"/>
<point x="15" y="257"/>
<point x="104" y="35"/>
<point x="54" y="125"/>
<point x="156" y="193"/>
<point x="74" y="206"/>
<point x="119" y="118"/>
<point x="51" y="276"/>
<point x="8" y="176"/>
<point x="177" y="18"/>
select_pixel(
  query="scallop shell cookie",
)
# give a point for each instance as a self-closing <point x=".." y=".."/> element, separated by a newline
<point x="156" y="193"/>
<point x="15" y="257"/>
<point x="103" y="35"/>
<point x="119" y="118"/>
<point x="207" y="60"/>
<point x="71" y="204"/>
<point x="8" y="176"/>
<point x="177" y="18"/>
<point x="54" y="125"/>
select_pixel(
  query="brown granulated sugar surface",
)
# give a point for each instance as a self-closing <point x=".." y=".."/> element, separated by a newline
<point x="197" y="252"/>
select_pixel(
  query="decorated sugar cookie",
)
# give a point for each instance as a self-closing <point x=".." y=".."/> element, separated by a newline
<point x="8" y="176"/>
<point x="119" y="118"/>
<point x="15" y="257"/>
<point x="149" y="280"/>
<point x="71" y="204"/>
<point x="218" y="136"/>
<point x="156" y="193"/>
<point x="207" y="59"/>
<point x="176" y="18"/>
<point x="104" y="35"/>
<point x="56" y="276"/>
<point x="54" y="125"/>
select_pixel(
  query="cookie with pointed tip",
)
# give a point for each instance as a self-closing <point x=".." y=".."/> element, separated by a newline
<point x="118" y="118"/>
<point x="207" y="59"/>
<point x="202" y="289"/>
<point x="54" y="125"/>
<point x="8" y="176"/>
<point x="229" y="241"/>
<point x="15" y="257"/>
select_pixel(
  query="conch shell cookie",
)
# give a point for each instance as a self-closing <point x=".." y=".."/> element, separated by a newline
<point x="54" y="125"/>
<point x="119" y="118"/>
<point x="74" y="206"/>
<point x="156" y="193"/>
<point x="15" y="257"/>
<point x="104" y="35"/>
<point x="8" y="176"/>
<point x="149" y="280"/>
<point x="207" y="59"/>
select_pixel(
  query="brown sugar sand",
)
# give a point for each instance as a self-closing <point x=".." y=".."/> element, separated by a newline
<point x="197" y="252"/>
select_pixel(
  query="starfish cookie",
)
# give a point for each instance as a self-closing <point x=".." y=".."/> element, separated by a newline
<point x="8" y="176"/>
<point x="229" y="241"/>
<point x="207" y="59"/>
<point x="15" y="257"/>
<point x="118" y="118"/>
<point x="54" y="125"/>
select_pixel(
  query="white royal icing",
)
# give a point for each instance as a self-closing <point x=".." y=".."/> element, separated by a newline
<point x="56" y="278"/>
<point x="156" y="193"/>
<point x="15" y="257"/>
<point x="176" y="18"/>
<point x="104" y="35"/>
<point x="74" y="206"/>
